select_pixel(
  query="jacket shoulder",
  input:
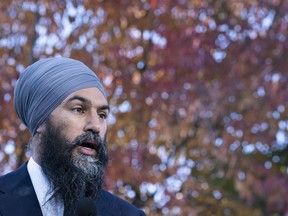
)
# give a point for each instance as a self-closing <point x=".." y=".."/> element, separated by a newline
<point x="115" y="203"/>
<point x="10" y="180"/>
<point x="17" y="195"/>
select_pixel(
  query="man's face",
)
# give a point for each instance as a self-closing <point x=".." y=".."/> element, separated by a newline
<point x="83" y="111"/>
<point x="73" y="147"/>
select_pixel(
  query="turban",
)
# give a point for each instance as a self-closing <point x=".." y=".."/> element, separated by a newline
<point x="45" y="84"/>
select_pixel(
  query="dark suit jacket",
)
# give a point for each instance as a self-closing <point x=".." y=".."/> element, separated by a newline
<point x="18" y="198"/>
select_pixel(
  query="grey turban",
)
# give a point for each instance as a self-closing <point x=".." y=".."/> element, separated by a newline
<point x="45" y="84"/>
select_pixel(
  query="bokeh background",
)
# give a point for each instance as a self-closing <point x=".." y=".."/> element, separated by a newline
<point x="198" y="90"/>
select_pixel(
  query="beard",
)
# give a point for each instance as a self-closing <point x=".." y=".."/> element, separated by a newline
<point x="72" y="175"/>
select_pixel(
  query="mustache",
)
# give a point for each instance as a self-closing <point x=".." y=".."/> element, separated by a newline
<point x="90" y="139"/>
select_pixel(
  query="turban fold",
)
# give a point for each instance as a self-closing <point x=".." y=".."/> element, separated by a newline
<point x="45" y="84"/>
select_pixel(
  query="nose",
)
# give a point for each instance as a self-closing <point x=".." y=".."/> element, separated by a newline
<point x="92" y="123"/>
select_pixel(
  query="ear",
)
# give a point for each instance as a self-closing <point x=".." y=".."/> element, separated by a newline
<point x="40" y="129"/>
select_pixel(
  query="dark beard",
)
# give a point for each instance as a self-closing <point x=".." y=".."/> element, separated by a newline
<point x="73" y="175"/>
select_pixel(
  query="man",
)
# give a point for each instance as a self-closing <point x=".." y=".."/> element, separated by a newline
<point x="63" y="104"/>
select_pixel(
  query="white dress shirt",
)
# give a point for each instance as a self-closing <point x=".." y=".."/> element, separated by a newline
<point x="41" y="187"/>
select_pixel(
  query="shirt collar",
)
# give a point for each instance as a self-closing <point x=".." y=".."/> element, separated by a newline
<point x="41" y="186"/>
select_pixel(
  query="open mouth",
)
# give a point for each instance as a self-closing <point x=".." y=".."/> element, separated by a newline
<point x="89" y="148"/>
<point x="89" y="145"/>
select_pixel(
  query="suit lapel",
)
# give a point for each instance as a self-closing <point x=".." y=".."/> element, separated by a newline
<point x="18" y="196"/>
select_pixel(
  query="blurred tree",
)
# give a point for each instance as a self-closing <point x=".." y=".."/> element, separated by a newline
<point x="198" y="89"/>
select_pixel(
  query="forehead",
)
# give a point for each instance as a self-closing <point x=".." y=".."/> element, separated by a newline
<point x="92" y="95"/>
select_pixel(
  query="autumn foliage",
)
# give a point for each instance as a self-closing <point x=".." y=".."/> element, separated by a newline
<point x="198" y="93"/>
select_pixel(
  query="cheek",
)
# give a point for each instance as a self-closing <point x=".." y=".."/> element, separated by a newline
<point x="103" y="132"/>
<point x="71" y="131"/>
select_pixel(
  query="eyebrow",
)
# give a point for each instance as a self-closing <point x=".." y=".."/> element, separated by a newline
<point x="87" y="102"/>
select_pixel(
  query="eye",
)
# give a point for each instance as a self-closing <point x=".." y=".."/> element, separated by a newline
<point x="103" y="115"/>
<point x="78" y="110"/>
